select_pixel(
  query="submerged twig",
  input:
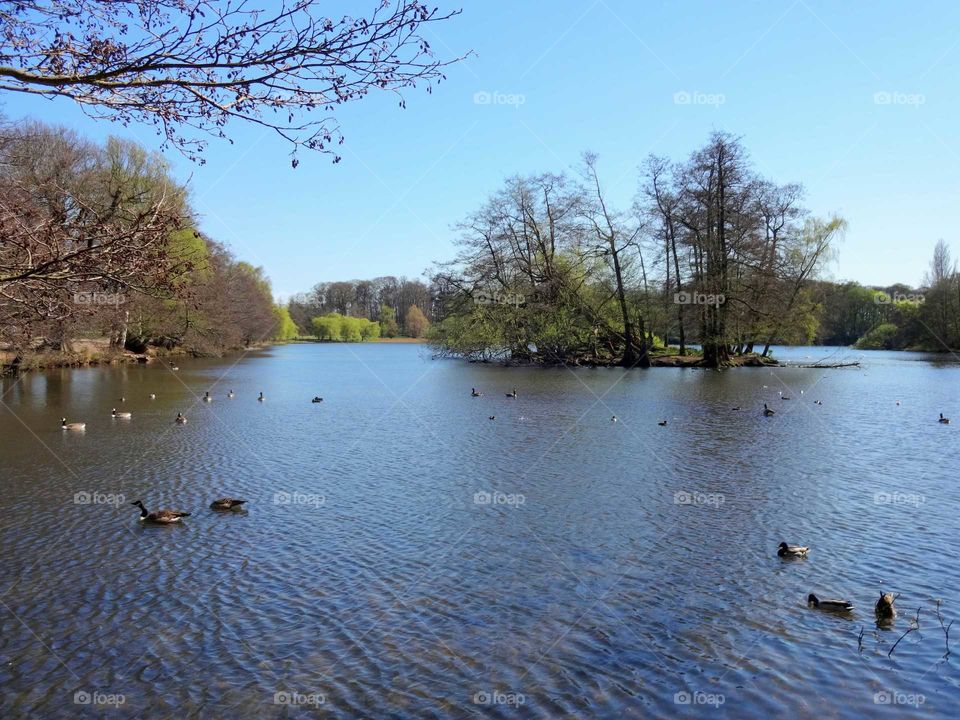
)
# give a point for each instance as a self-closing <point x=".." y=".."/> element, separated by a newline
<point x="915" y="626"/>
<point x="860" y="640"/>
<point x="945" y="628"/>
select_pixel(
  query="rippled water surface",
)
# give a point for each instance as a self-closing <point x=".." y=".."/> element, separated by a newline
<point x="404" y="555"/>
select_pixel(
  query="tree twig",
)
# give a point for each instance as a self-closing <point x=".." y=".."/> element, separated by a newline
<point x="915" y="626"/>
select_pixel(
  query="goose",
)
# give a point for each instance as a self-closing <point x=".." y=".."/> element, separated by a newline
<point x="884" y="607"/>
<point x="261" y="398"/>
<point x="785" y="550"/>
<point x="475" y="393"/>
<point x="159" y="517"/>
<point x="662" y="423"/>
<point x="181" y="420"/>
<point x="317" y="399"/>
<point x="153" y="396"/>
<point x="818" y="402"/>
<point x="512" y="394"/>
<point x="493" y="417"/>
<point x="737" y="408"/>
<point x="227" y="504"/>
<point x="121" y="415"/>
<point x="832" y="605"/>
<point x="613" y="419"/>
<point x="230" y="394"/>
<point x="72" y="426"/>
<point x="943" y="420"/>
<point x="782" y="396"/>
<point x="767" y="411"/>
<point x="206" y="397"/>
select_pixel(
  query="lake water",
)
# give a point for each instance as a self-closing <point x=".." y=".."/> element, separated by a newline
<point x="403" y="555"/>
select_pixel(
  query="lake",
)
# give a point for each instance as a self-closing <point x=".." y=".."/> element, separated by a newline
<point x="403" y="555"/>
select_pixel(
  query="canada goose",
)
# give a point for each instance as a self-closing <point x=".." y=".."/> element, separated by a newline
<point x="227" y="504"/>
<point x="782" y="396"/>
<point x="785" y="550"/>
<point x="181" y="420"/>
<point x="832" y="605"/>
<point x="122" y="416"/>
<point x="884" y="607"/>
<point x="512" y="394"/>
<point x="230" y="394"/>
<point x="737" y="408"/>
<point x="767" y="411"/>
<point x="317" y="399"/>
<point x="945" y="421"/>
<point x="206" y="397"/>
<point x="613" y="419"/>
<point x="475" y="393"/>
<point x="493" y="417"/>
<point x="72" y="426"/>
<point x="261" y="398"/>
<point x="159" y="517"/>
<point x="153" y="396"/>
<point x="817" y="402"/>
<point x="662" y="423"/>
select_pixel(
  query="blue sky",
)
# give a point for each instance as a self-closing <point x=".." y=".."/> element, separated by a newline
<point x="858" y="101"/>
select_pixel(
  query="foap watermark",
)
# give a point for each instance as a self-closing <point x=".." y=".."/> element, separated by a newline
<point x="495" y="297"/>
<point x="682" y="497"/>
<point x="895" y="97"/>
<point x="495" y="497"/>
<point x="291" y="697"/>
<point x="299" y="498"/>
<point x="899" y="498"/>
<point x="99" y="298"/>
<point x="495" y="97"/>
<point x="699" y="298"/>
<point x="498" y="697"/>
<point x="92" y="497"/>
<point x="697" y="697"/>
<point x="685" y="97"/>
<point x="101" y="699"/>
<point x="892" y="697"/>
<point x="884" y="298"/>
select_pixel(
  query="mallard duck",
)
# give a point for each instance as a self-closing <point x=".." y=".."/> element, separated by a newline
<point x="227" y="504"/>
<point x="475" y="393"/>
<point x="153" y="396"/>
<point x="121" y="415"/>
<point x="832" y="605"/>
<point x="181" y="420"/>
<point x="261" y="398"/>
<point x="662" y="423"/>
<point x="884" y="607"/>
<point x="230" y="394"/>
<point x="767" y="411"/>
<point x="317" y="399"/>
<point x="945" y="421"/>
<point x="206" y="397"/>
<point x="512" y="394"/>
<point x="72" y="426"/>
<point x="785" y="550"/>
<point x="159" y="517"/>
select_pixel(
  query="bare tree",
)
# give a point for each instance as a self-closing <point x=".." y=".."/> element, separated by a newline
<point x="196" y="64"/>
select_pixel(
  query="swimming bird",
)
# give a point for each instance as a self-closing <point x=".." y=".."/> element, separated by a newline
<point x="475" y="393"/>
<point x="159" y="517"/>
<point x="512" y="394"/>
<point x="493" y="417"/>
<point x="72" y="426"/>
<point x="261" y="398"/>
<point x="737" y="408"/>
<point x="817" y="402"/>
<point x="898" y="402"/>
<point x="122" y="415"/>
<point x="767" y="411"/>
<point x="227" y="504"/>
<point x="782" y="396"/>
<point x="206" y="397"/>
<point x="153" y="396"/>
<point x="785" y="550"/>
<point x="945" y="421"/>
<point x="174" y="368"/>
<point x="613" y="419"/>
<point x="662" y="423"/>
<point x="181" y="420"/>
<point x="884" y="607"/>
<point x="230" y="394"/>
<point x="123" y="399"/>
<point x="317" y="399"/>
<point x="832" y="605"/>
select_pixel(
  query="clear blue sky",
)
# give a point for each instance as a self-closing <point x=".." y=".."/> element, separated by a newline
<point x="798" y="82"/>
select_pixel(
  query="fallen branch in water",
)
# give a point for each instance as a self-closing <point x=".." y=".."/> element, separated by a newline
<point x="914" y="626"/>
<point x="860" y="640"/>
<point x="945" y="628"/>
<point x="818" y="366"/>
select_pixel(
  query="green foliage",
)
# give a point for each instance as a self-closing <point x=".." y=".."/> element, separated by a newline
<point x="388" y="322"/>
<point x="881" y="337"/>
<point x="286" y="327"/>
<point x="335" y="327"/>
<point x="416" y="323"/>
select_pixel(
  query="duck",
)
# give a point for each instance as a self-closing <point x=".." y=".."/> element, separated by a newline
<point x="818" y="402"/>
<point x="206" y="397"/>
<point x="884" y="607"/>
<point x="784" y="550"/>
<point x="662" y="423"/>
<point x="261" y="398"/>
<point x="72" y="426"/>
<point x="493" y="417"/>
<point x="475" y="393"/>
<point x="767" y="411"/>
<point x="230" y="394"/>
<point x="121" y="415"/>
<point x="512" y="394"/>
<point x="832" y="605"/>
<point x="782" y="396"/>
<point x="613" y="419"/>
<point x="153" y="396"/>
<point x="227" y="504"/>
<point x="123" y="399"/>
<point x="181" y="420"/>
<point x="737" y="408"/>
<point x="159" y="517"/>
<point x="943" y="420"/>
<point x="317" y="399"/>
<point x="174" y="368"/>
